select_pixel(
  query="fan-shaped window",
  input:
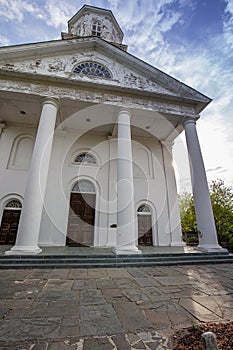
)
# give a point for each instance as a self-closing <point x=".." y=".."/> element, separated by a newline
<point x="94" y="69"/>
<point x="85" y="158"/>
<point x="14" y="203"/>
<point x="143" y="209"/>
<point x="84" y="186"/>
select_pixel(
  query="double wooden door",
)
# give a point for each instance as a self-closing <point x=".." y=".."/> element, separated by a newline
<point x="9" y="226"/>
<point x="144" y="230"/>
<point x="81" y="221"/>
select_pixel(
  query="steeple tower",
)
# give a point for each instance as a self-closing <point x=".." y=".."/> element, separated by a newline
<point x="92" y="21"/>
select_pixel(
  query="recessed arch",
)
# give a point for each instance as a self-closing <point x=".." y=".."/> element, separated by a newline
<point x="146" y="223"/>
<point x="21" y="152"/>
<point x="81" y="220"/>
<point x="11" y="211"/>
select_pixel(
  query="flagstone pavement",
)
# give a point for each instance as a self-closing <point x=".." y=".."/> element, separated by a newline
<point x="108" y="309"/>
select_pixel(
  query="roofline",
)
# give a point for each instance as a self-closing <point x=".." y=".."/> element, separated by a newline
<point x="96" y="40"/>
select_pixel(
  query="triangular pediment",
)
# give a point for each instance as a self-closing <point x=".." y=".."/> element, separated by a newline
<point x="58" y="59"/>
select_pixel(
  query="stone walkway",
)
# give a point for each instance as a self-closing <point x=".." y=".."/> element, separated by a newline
<point x="108" y="309"/>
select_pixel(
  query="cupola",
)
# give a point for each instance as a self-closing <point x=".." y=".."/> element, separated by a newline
<point x="92" y="21"/>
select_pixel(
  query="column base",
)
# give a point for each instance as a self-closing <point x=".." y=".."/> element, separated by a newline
<point x="23" y="250"/>
<point x="126" y="250"/>
<point x="178" y="244"/>
<point x="211" y="248"/>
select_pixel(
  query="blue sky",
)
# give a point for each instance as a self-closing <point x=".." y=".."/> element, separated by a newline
<point x="192" y="40"/>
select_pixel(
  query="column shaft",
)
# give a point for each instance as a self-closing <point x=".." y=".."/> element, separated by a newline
<point x="29" y="226"/>
<point x="126" y="233"/>
<point x="174" y="224"/>
<point x="204" y="214"/>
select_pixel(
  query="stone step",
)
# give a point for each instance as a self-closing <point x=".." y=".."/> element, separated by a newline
<point x="62" y="261"/>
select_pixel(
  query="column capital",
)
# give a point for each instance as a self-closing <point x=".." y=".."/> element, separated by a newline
<point x="3" y="125"/>
<point x="124" y="111"/>
<point x="190" y="119"/>
<point x="52" y="101"/>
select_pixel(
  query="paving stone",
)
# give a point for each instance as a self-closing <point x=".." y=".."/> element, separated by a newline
<point x="136" y="272"/>
<point x="99" y="320"/>
<point x="106" y="283"/>
<point x="118" y="273"/>
<point x="29" y="329"/>
<point x="113" y="293"/>
<point x="56" y="284"/>
<point x="91" y="297"/>
<point x="135" y="295"/>
<point x="147" y="282"/>
<point x="199" y="311"/>
<point x="58" y="274"/>
<point x="66" y="345"/>
<point x="131" y="317"/>
<point x="97" y="273"/>
<point x="121" y="342"/>
<point x="133" y="338"/>
<point x="13" y="275"/>
<point x="69" y="327"/>
<point x="126" y="283"/>
<point x="97" y="344"/>
<point x="159" y="321"/>
<point x="76" y="274"/>
<point x="57" y="295"/>
<point x="53" y="309"/>
<point x="139" y="345"/>
<point x="169" y="281"/>
<point x="83" y="284"/>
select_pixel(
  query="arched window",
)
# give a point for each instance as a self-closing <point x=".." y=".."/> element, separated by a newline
<point x="10" y="221"/>
<point x="94" y="69"/>
<point x="14" y="204"/>
<point x="143" y="209"/>
<point x="85" y="158"/>
<point x="84" y="186"/>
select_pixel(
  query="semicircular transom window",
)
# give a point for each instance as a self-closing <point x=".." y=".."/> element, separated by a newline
<point x="143" y="209"/>
<point x="84" y="186"/>
<point x="94" y="69"/>
<point x="14" y="203"/>
<point x="85" y="158"/>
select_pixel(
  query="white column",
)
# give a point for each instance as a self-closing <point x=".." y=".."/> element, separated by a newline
<point x="204" y="214"/>
<point x="29" y="225"/>
<point x="174" y="222"/>
<point x="126" y="232"/>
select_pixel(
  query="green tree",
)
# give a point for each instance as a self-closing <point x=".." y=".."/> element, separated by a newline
<point x="187" y="213"/>
<point x="222" y="203"/>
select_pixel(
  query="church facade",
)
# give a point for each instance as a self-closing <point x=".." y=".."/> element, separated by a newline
<point x="86" y="137"/>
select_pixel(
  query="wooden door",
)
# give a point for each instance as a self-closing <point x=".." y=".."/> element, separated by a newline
<point x="81" y="222"/>
<point x="9" y="226"/>
<point x="144" y="230"/>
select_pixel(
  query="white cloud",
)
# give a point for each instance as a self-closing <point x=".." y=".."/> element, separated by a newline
<point x="228" y="23"/>
<point x="57" y="14"/>
<point x="16" y="9"/>
<point x="4" y="41"/>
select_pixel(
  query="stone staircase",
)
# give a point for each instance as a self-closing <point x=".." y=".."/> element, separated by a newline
<point x="108" y="261"/>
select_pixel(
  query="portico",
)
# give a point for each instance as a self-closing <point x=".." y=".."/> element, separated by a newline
<point x="86" y="143"/>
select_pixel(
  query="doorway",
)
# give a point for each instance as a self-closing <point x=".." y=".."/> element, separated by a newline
<point x="144" y="226"/>
<point x="10" y="222"/>
<point x="81" y="222"/>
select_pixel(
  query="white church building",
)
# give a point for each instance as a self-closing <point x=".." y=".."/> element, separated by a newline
<point x="86" y="135"/>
